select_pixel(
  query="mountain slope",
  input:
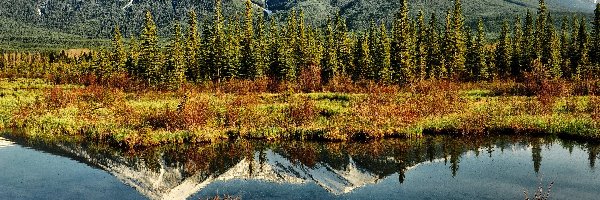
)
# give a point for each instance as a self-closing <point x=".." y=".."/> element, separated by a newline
<point x="95" y="19"/>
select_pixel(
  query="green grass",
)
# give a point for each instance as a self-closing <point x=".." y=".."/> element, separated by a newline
<point x="153" y="118"/>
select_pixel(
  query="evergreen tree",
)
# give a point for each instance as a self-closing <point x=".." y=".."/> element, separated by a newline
<point x="447" y="48"/>
<point x="217" y="48"/>
<point x="385" y="73"/>
<point x="503" y="52"/>
<point x="344" y="47"/>
<point x="516" y="65"/>
<point x="541" y="40"/>
<point x="150" y="62"/>
<point x="262" y="46"/>
<point x="133" y="57"/>
<point x="435" y="56"/>
<point x="275" y="54"/>
<point x="301" y="45"/>
<point x="544" y="38"/>
<point x="402" y="47"/>
<point x="575" y="55"/>
<point x="192" y="49"/>
<point x="583" y="67"/>
<point x="329" y="64"/>
<point x="565" y="49"/>
<point x="458" y="42"/>
<point x="119" y="55"/>
<point x="248" y="68"/>
<point x="376" y="52"/>
<point x="480" y="68"/>
<point x="421" y="47"/>
<point x="529" y="53"/>
<point x="314" y="49"/>
<point x="470" y="56"/>
<point x="231" y="67"/>
<point x="293" y="39"/>
<point x="281" y="64"/>
<point x="174" y="74"/>
<point x="595" y="38"/>
<point x="553" y="51"/>
<point x="363" y="59"/>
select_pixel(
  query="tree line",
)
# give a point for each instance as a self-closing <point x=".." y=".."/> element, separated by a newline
<point x="411" y="49"/>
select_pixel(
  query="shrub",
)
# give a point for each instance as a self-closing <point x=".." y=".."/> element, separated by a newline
<point x="310" y="79"/>
<point x="301" y="111"/>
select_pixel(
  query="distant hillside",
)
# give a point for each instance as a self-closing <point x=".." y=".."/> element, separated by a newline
<point x="86" y="19"/>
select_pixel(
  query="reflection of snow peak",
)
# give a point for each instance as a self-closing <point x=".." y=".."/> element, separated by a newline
<point x="279" y="169"/>
<point x="169" y="182"/>
<point x="5" y="143"/>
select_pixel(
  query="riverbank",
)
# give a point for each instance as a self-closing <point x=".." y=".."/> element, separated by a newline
<point x="129" y="119"/>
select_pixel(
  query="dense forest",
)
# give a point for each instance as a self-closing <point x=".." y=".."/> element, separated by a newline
<point x="60" y="24"/>
<point x="251" y="47"/>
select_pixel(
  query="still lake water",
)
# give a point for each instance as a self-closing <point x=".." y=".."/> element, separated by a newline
<point x="500" y="167"/>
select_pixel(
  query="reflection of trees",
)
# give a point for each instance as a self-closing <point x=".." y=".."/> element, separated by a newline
<point x="379" y="158"/>
<point x="536" y="155"/>
<point x="593" y="154"/>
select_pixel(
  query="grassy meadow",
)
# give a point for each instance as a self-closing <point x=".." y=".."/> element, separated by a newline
<point x="34" y="108"/>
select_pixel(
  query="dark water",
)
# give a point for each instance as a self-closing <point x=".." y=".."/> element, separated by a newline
<point x="430" y="168"/>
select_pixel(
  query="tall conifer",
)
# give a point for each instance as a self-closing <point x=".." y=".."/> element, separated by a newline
<point x="402" y="46"/>
<point x="150" y="61"/>
<point x="503" y="52"/>
<point x="248" y="68"/>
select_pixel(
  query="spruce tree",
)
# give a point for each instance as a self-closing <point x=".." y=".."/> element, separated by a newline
<point x="292" y="38"/>
<point x="344" y="47"/>
<point x="174" y="74"/>
<point x="583" y="67"/>
<point x="595" y="38"/>
<point x="314" y="48"/>
<point x="281" y="64"/>
<point x="363" y="59"/>
<point x="516" y="65"/>
<point x="301" y="48"/>
<point x="385" y="73"/>
<point x="421" y="47"/>
<point x="447" y="48"/>
<point x="529" y="53"/>
<point x="481" y="70"/>
<point x="435" y="56"/>
<point x="248" y="70"/>
<point x="231" y="67"/>
<point x="119" y="55"/>
<point x="376" y="52"/>
<point x="150" y="61"/>
<point x="276" y="54"/>
<point x="133" y="57"/>
<point x="565" y="49"/>
<point x="554" y="58"/>
<point x="217" y="48"/>
<point x="262" y="45"/>
<point x="330" y="62"/>
<point x="402" y="46"/>
<point x="503" y="52"/>
<point x="574" y="56"/>
<point x="541" y="40"/>
<point x="458" y="42"/>
<point x="192" y="49"/>
<point x="470" y="56"/>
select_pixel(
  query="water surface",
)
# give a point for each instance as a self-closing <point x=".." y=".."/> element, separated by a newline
<point x="428" y="168"/>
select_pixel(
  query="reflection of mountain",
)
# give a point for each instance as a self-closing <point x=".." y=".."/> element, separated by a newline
<point x="180" y="172"/>
<point x="277" y="168"/>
